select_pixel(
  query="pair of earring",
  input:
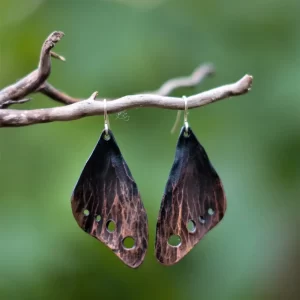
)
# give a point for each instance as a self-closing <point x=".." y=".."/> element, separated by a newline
<point x="107" y="205"/>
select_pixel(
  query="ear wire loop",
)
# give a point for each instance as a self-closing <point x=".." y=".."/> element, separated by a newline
<point x="175" y="126"/>
<point x="106" y="121"/>
<point x="186" y="124"/>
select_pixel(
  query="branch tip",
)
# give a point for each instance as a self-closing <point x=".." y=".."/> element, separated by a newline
<point x="55" y="36"/>
<point x="207" y="68"/>
<point x="51" y="40"/>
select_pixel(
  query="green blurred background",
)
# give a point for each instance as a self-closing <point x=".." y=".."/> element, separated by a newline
<point x="120" y="47"/>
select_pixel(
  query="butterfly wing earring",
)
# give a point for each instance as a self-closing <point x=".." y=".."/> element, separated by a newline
<point x="193" y="202"/>
<point x="106" y="202"/>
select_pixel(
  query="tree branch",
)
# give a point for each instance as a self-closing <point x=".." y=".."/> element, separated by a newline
<point x="36" y="82"/>
<point x="90" y="107"/>
<point x="32" y="81"/>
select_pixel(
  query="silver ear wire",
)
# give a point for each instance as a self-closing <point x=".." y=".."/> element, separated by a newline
<point x="175" y="126"/>
<point x="106" y="121"/>
<point x="186" y="124"/>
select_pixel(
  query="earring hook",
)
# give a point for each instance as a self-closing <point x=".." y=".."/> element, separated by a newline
<point x="186" y="124"/>
<point x="106" y="120"/>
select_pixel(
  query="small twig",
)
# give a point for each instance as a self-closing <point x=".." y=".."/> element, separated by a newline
<point x="32" y="81"/>
<point x="10" y="102"/>
<point x="189" y="81"/>
<point x="57" y="56"/>
<point x="50" y="91"/>
<point x="12" y="118"/>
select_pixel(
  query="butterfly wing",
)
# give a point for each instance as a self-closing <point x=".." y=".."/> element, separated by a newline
<point x="193" y="203"/>
<point x="107" y="205"/>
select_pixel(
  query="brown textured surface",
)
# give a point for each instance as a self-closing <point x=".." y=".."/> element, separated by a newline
<point x="193" y="191"/>
<point x="107" y="189"/>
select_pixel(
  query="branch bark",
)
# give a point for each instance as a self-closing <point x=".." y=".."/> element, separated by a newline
<point x="91" y="107"/>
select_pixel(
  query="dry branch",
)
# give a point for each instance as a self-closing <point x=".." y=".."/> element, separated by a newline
<point x="76" y="108"/>
<point x="91" y="107"/>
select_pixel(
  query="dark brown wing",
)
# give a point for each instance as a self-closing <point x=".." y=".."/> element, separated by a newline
<point x="193" y="203"/>
<point x="106" y="196"/>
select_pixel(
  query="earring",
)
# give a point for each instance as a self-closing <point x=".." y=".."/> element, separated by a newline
<point x="193" y="202"/>
<point x="106" y="202"/>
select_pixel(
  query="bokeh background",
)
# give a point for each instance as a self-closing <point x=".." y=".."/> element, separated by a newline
<point x="120" y="47"/>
